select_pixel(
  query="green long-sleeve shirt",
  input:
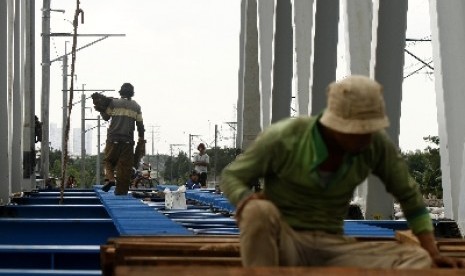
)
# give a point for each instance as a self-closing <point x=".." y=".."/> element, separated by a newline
<point x="287" y="155"/>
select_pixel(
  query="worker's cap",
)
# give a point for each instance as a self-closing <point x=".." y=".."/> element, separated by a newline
<point x="355" y="105"/>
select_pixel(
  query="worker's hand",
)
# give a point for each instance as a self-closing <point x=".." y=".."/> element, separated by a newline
<point x="242" y="203"/>
<point x="444" y="261"/>
<point x="428" y="242"/>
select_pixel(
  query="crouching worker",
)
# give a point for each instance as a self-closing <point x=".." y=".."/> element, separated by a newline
<point x="311" y="166"/>
<point x="193" y="181"/>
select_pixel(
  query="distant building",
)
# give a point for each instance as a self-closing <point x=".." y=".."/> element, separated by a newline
<point x="76" y="148"/>
<point x="89" y="149"/>
<point x="88" y="143"/>
<point x="55" y="136"/>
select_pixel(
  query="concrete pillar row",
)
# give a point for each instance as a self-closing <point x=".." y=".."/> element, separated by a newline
<point x="378" y="53"/>
<point x="448" y="36"/>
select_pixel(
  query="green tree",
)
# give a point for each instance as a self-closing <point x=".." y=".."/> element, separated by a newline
<point x="74" y="168"/>
<point x="169" y="164"/>
<point x="222" y="157"/>
<point x="425" y="167"/>
<point x="177" y="168"/>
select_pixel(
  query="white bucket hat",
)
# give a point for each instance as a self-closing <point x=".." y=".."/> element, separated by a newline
<point x="355" y="105"/>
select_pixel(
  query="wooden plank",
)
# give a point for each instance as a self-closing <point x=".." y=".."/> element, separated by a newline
<point x="116" y="251"/>
<point x="164" y="251"/>
<point x="209" y="238"/>
<point x="266" y="271"/>
<point x="231" y="247"/>
<point x="184" y="261"/>
<point x="450" y="241"/>
<point x="197" y="238"/>
<point x="446" y="248"/>
<point x="123" y="250"/>
<point x="107" y="257"/>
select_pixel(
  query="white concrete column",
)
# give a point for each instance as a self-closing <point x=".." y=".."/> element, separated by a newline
<point x="251" y="115"/>
<point x="45" y="95"/>
<point x="448" y="37"/>
<point x="4" y="157"/>
<point x="240" y="77"/>
<point x="358" y="16"/>
<point x="10" y="70"/>
<point x="303" y="21"/>
<point x="265" y="50"/>
<point x="388" y="71"/>
<point x="29" y="96"/>
<point x="283" y="62"/>
<point x="325" y="52"/>
<point x="17" y="111"/>
<point x="460" y="217"/>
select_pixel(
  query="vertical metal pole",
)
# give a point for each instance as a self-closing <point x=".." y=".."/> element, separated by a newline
<point x="216" y="153"/>
<point x="152" y="143"/>
<point x="171" y="167"/>
<point x="152" y="146"/>
<point x="157" y="163"/>
<point x="45" y="99"/>
<point x="98" y="150"/>
<point x="190" y="152"/>
<point x="83" y="147"/>
<point x="65" y="106"/>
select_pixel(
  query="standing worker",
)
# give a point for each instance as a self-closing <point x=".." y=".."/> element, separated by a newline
<point x="311" y="166"/>
<point x="201" y="161"/>
<point x="125" y="114"/>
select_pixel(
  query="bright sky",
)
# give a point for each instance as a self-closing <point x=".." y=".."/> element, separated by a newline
<point x="182" y="58"/>
<point x="419" y="113"/>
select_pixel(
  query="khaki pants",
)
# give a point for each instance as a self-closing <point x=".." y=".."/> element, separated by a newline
<point x="121" y="157"/>
<point x="266" y="240"/>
